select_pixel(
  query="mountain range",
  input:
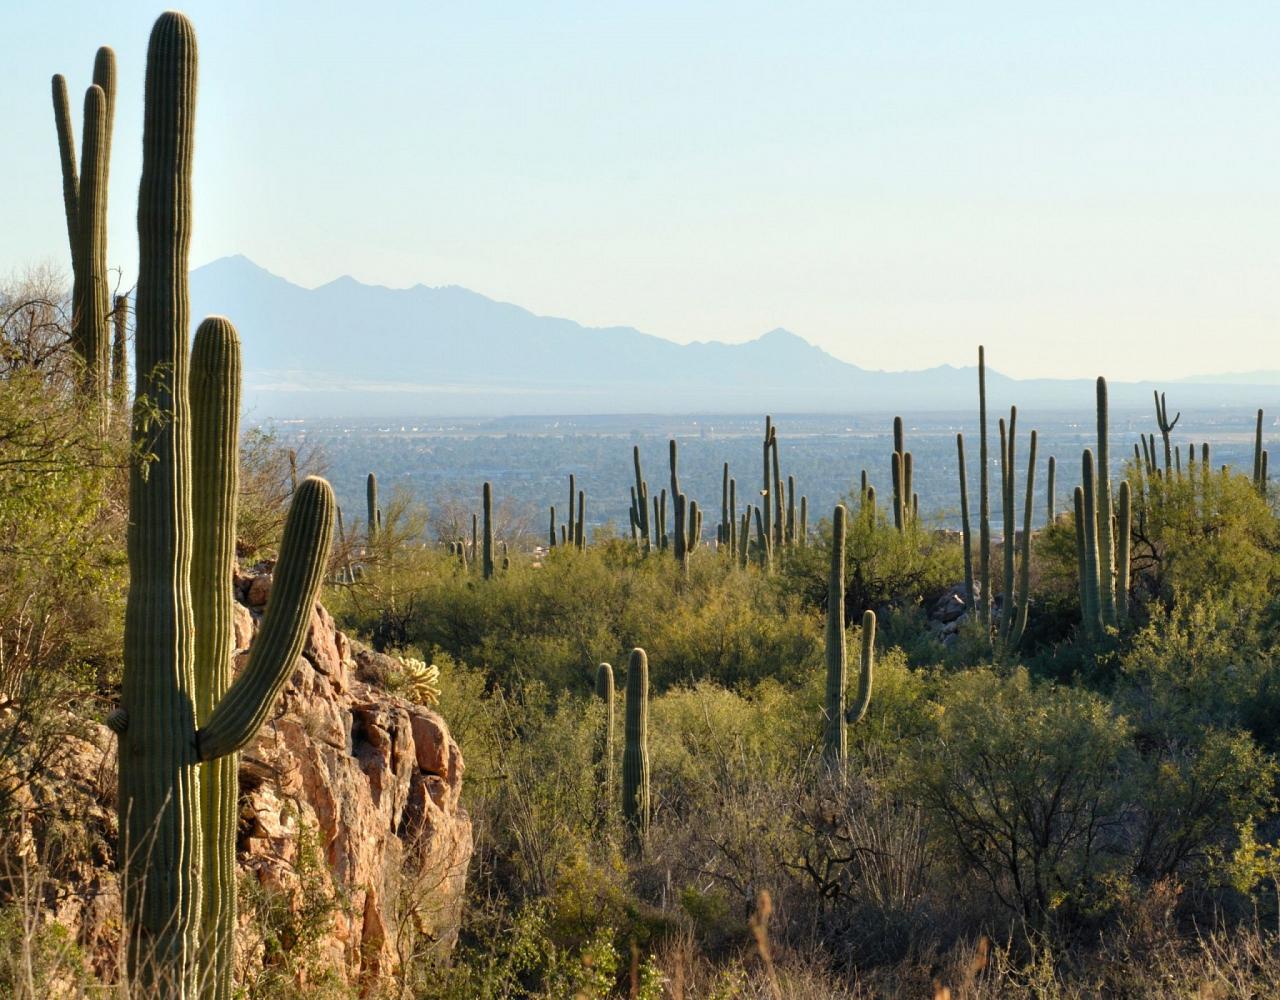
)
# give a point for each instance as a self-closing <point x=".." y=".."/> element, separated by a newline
<point x="351" y="349"/>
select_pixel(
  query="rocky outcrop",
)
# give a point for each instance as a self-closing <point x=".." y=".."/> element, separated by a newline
<point x="350" y="816"/>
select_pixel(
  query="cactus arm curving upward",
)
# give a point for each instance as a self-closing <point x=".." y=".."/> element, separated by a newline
<point x="298" y="575"/>
<point x="866" y="671"/>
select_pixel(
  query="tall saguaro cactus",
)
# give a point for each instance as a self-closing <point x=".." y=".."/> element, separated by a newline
<point x="604" y="691"/>
<point x="635" y="750"/>
<point x="487" y="505"/>
<point x="966" y="532"/>
<point x="984" y="499"/>
<point x="84" y="196"/>
<point x="179" y="710"/>
<point x="371" y="501"/>
<point x="834" y="744"/>
<point x="1106" y="538"/>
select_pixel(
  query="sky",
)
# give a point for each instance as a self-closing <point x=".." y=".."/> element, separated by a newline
<point x="1084" y="187"/>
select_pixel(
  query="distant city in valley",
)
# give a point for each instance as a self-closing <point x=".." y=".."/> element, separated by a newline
<point x="529" y="459"/>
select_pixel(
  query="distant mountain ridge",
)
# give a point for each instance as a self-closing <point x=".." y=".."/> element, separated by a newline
<point x="351" y="349"/>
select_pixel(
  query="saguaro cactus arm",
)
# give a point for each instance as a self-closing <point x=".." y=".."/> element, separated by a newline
<point x="866" y="670"/>
<point x="299" y="573"/>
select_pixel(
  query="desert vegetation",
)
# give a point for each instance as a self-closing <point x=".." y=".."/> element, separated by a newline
<point x="799" y="753"/>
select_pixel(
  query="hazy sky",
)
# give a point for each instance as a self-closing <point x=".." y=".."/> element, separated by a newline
<point x="1087" y="187"/>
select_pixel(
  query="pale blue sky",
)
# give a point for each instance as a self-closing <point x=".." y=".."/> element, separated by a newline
<point x="1087" y="187"/>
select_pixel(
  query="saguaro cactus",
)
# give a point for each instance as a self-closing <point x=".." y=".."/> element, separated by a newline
<point x="834" y="744"/>
<point x="371" y="500"/>
<point x="1124" y="523"/>
<point x="120" y="356"/>
<point x="604" y="691"/>
<point x="1106" y="539"/>
<point x="487" y="505"/>
<point x="1166" y="429"/>
<point x="1051" y="487"/>
<point x="966" y="533"/>
<point x="635" y="750"/>
<point x="1018" y="611"/>
<point x="984" y="499"/>
<point x="1259" y="458"/>
<point x="84" y="197"/>
<point x="178" y="710"/>
<point x="642" y="505"/>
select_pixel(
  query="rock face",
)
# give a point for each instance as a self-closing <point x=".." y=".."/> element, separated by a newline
<point x="349" y="815"/>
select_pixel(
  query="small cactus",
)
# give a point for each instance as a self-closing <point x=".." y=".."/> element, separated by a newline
<point x="635" y="751"/>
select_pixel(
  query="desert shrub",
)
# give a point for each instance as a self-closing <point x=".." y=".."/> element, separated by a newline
<point x="1024" y="787"/>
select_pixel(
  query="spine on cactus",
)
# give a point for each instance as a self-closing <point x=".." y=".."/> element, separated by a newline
<point x="1051" y="490"/>
<point x="487" y="507"/>
<point x="1106" y="538"/>
<point x="834" y="745"/>
<point x="604" y="691"/>
<point x="635" y="750"/>
<point x="856" y="712"/>
<point x="966" y="534"/>
<point x="371" y="501"/>
<point x="1090" y="565"/>
<point x="1124" y="525"/>
<point x="984" y="499"/>
<point x="1018" y="614"/>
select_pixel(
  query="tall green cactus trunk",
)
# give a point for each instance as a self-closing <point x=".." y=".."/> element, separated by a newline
<point x="966" y="532"/>
<point x="834" y="743"/>
<point x="1051" y="497"/>
<point x="1090" y="566"/>
<point x="766" y="489"/>
<point x="371" y="502"/>
<point x="635" y="750"/>
<point x="215" y="432"/>
<point x="642" y="504"/>
<point x="1106" y="538"/>
<point x="487" y="506"/>
<point x="604" y="691"/>
<point x="802" y="536"/>
<point x="551" y="531"/>
<point x="178" y="712"/>
<point x="984" y="499"/>
<point x="1124" y="527"/>
<point x="1019" y="612"/>
<point x="579" y="530"/>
